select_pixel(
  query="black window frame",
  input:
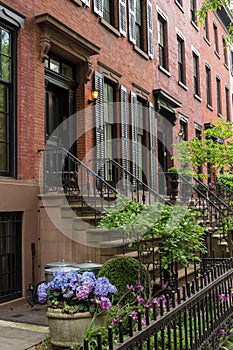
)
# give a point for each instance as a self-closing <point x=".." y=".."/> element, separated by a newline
<point x="218" y="96"/>
<point x="227" y="98"/>
<point x="181" y="60"/>
<point x="10" y="112"/>
<point x="225" y="51"/>
<point x="216" y="44"/>
<point x="208" y="86"/>
<point x="196" y="77"/>
<point x="193" y="8"/>
<point x="109" y="15"/>
<point x="139" y="24"/>
<point x="163" y="60"/>
<point x="206" y="28"/>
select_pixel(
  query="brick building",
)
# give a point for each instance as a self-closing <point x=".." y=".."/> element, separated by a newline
<point x="169" y="76"/>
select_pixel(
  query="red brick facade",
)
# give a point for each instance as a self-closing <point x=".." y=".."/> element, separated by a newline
<point x="77" y="35"/>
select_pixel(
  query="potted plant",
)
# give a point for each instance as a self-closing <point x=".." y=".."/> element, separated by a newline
<point x="75" y="302"/>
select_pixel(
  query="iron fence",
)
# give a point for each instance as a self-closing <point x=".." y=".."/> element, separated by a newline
<point x="198" y="316"/>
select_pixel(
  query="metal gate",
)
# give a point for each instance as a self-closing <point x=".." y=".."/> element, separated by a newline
<point x="10" y="256"/>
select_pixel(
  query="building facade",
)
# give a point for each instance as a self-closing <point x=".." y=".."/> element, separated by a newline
<point x="161" y="78"/>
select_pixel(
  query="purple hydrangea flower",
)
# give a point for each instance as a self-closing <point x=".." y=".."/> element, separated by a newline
<point x="82" y="292"/>
<point x="42" y="293"/>
<point x="105" y="303"/>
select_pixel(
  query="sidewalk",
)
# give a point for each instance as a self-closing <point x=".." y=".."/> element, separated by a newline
<point x="22" y="327"/>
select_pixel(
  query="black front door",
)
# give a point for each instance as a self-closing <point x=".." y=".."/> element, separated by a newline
<point x="57" y="110"/>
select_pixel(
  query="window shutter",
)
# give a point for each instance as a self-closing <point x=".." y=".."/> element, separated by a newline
<point x="124" y="130"/>
<point x="152" y="146"/>
<point x="99" y="125"/>
<point x="134" y="135"/>
<point x="149" y="30"/>
<point x="132" y="17"/>
<point x="86" y="2"/>
<point x="122" y="17"/>
<point x="98" y="7"/>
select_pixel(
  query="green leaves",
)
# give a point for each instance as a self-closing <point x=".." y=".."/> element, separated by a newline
<point x="216" y="148"/>
<point x="180" y="235"/>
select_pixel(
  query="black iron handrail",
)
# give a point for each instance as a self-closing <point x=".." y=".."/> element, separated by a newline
<point x="140" y="185"/>
<point x="212" y="195"/>
<point x="65" y="172"/>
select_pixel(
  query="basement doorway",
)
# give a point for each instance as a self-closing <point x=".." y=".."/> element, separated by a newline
<point x="10" y="256"/>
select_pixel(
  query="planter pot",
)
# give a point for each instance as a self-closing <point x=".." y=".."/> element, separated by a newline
<point x="67" y="330"/>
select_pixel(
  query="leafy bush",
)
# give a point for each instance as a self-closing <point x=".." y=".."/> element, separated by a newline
<point x="124" y="271"/>
<point x="180" y="235"/>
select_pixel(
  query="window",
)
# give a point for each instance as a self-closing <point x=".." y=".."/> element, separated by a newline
<point x="231" y="60"/>
<point x="162" y="39"/>
<point x="208" y="86"/>
<point x="7" y="117"/>
<point x="227" y="104"/>
<point x="198" y="131"/>
<point x="206" y="28"/>
<point x="104" y="123"/>
<point x="140" y="25"/>
<point x="108" y="11"/>
<point x="108" y="99"/>
<point x="58" y="66"/>
<point x="218" y="88"/>
<point x="196" y="74"/>
<point x="138" y="118"/>
<point x="225" y="51"/>
<point x="179" y="3"/>
<point x="198" y="135"/>
<point x="183" y="132"/>
<point x="193" y="8"/>
<point x="181" y="65"/>
<point x="216" y="50"/>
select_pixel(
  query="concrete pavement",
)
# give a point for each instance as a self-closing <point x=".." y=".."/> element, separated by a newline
<point x="22" y="327"/>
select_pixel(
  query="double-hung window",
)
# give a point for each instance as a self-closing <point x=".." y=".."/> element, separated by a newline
<point x="227" y="104"/>
<point x="196" y="81"/>
<point x="206" y="28"/>
<point x="108" y="11"/>
<point x="10" y="23"/>
<point x="216" y="48"/>
<point x="208" y="85"/>
<point x="140" y="25"/>
<point x="193" y="9"/>
<point x="162" y="41"/>
<point x="225" y="51"/>
<point x="181" y="60"/>
<point x="218" y="95"/>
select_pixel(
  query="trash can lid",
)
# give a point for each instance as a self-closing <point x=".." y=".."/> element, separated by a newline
<point x="89" y="266"/>
<point x="61" y="263"/>
<point x="65" y="269"/>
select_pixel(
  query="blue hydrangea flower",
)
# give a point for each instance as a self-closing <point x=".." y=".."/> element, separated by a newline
<point x="103" y="287"/>
<point x="42" y="293"/>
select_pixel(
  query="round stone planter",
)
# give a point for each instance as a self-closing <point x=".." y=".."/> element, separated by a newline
<point x="67" y="330"/>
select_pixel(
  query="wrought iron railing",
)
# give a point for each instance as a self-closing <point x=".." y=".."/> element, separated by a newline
<point x="214" y="211"/>
<point x="131" y="186"/>
<point x="198" y="316"/>
<point x="63" y="172"/>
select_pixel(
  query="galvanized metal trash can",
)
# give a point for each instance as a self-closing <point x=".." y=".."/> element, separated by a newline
<point x="62" y="265"/>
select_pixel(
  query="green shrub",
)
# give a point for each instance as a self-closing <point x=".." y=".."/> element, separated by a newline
<point x="122" y="271"/>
